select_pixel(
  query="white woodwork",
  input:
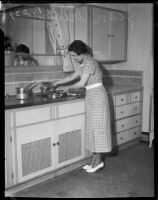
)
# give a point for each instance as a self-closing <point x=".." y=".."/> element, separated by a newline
<point x="30" y="134"/>
<point x="121" y="99"/>
<point x="67" y="125"/>
<point x="72" y="108"/>
<point x="127" y="123"/>
<point x="100" y="31"/>
<point x="108" y="38"/>
<point x="128" y="135"/>
<point x="127" y="110"/>
<point x="35" y="127"/>
<point x="135" y="96"/>
<point x="34" y="115"/>
<point x="117" y="39"/>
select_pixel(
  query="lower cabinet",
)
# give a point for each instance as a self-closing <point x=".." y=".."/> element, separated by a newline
<point x="47" y="144"/>
<point x="70" y="140"/>
<point x="127" y="116"/>
<point x="34" y="151"/>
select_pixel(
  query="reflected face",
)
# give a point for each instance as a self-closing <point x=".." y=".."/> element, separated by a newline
<point x="76" y="58"/>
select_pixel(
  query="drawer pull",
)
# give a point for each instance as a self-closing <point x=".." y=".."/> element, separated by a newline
<point x="122" y="112"/>
<point x="135" y="97"/>
<point x="57" y="143"/>
<point x="121" y="138"/>
<point x="122" y="125"/>
<point x="54" y="144"/>
<point x="136" y="121"/>
<point x="122" y="99"/>
<point x="135" y="133"/>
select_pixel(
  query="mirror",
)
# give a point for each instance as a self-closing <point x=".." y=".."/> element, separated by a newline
<point x="28" y="26"/>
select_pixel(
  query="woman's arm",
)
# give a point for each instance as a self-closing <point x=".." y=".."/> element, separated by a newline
<point x="81" y="83"/>
<point x="68" y="78"/>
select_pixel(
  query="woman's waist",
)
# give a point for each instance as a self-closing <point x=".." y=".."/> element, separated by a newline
<point x="94" y="85"/>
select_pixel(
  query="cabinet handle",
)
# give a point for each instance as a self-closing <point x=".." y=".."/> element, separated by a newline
<point x="122" y="112"/>
<point x="121" y="138"/>
<point x="57" y="143"/>
<point x="135" y="97"/>
<point x="135" y="133"/>
<point x="122" y="99"/>
<point x="110" y="35"/>
<point x="54" y="144"/>
<point x="136" y="121"/>
<point x="135" y="108"/>
<point x="122" y="125"/>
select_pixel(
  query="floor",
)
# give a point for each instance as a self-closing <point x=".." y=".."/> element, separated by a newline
<point x="130" y="173"/>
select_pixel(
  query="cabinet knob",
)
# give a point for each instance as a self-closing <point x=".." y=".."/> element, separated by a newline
<point x="135" y="133"/>
<point x="122" y="112"/>
<point x="121" y="138"/>
<point x="135" y="108"/>
<point x="54" y="144"/>
<point x="110" y="35"/>
<point x="57" y="143"/>
<point x="122" y="125"/>
<point x="122" y="99"/>
<point x="135" y="97"/>
<point x="136" y="121"/>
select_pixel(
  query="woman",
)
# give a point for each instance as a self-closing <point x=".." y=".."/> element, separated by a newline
<point x="98" y="128"/>
<point x="23" y="57"/>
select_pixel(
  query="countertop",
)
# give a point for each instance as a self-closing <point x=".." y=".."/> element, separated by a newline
<point x="12" y="103"/>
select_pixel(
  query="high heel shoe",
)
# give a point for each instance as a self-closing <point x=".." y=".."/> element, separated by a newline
<point x="86" y="167"/>
<point x="91" y="170"/>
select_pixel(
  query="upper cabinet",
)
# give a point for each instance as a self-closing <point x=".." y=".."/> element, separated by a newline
<point x="105" y="30"/>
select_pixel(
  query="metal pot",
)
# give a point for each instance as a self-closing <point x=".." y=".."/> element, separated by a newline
<point x="25" y="92"/>
<point x="47" y="87"/>
<point x="21" y="93"/>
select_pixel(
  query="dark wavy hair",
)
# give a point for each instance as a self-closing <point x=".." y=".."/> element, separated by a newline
<point x="21" y="48"/>
<point x="79" y="47"/>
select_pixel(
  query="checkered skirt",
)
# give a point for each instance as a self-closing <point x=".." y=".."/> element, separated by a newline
<point x="98" y="124"/>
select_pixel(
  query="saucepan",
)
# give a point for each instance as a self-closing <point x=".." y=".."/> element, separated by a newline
<point x="25" y="92"/>
<point x="47" y="87"/>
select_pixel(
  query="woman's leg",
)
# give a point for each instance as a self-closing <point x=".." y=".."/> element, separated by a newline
<point x="98" y="159"/>
<point x="93" y="159"/>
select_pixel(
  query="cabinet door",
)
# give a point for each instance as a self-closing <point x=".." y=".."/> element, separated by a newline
<point x="70" y="140"/>
<point x="9" y="164"/>
<point x="108" y="34"/>
<point x="117" y="35"/>
<point x="34" y="153"/>
<point x="99" y="33"/>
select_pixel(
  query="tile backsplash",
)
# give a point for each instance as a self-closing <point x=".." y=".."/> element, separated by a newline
<point x="20" y="77"/>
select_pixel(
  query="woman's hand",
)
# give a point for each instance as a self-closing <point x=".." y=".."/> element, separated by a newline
<point x="55" y="84"/>
<point x="64" y="88"/>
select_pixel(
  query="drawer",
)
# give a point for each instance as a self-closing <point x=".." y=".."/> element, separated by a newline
<point x="30" y="116"/>
<point x="127" y="110"/>
<point x="127" y="123"/>
<point x="128" y="135"/>
<point x="69" y="109"/>
<point x="135" y="96"/>
<point x="120" y="99"/>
